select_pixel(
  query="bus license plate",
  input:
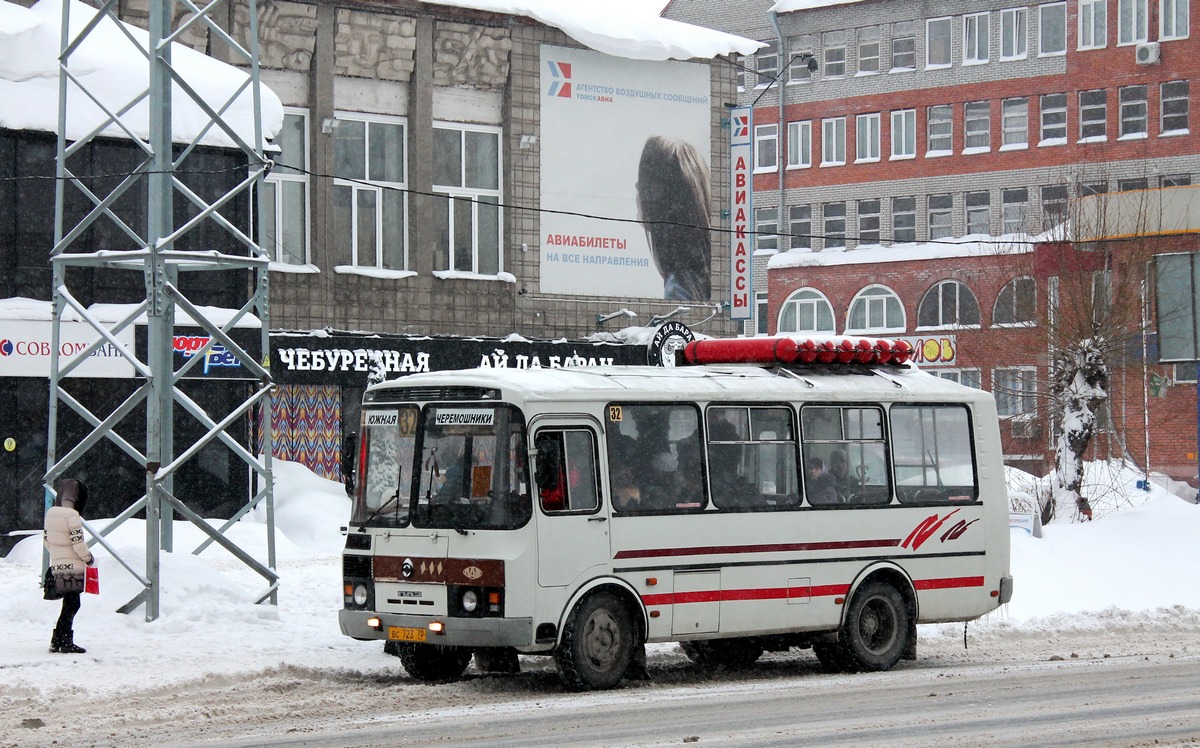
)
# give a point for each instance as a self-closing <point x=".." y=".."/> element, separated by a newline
<point x="398" y="634"/>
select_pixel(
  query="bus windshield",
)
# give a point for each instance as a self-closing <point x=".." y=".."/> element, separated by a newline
<point x="385" y="482"/>
<point x="472" y="468"/>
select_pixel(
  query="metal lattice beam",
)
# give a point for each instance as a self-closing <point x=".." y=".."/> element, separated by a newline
<point x="159" y="395"/>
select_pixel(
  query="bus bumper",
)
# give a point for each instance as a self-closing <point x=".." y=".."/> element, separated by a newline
<point x="458" y="632"/>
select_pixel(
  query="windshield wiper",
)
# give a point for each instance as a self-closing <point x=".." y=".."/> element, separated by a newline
<point x="394" y="497"/>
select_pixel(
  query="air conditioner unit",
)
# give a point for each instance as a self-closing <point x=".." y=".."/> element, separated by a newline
<point x="1146" y="54"/>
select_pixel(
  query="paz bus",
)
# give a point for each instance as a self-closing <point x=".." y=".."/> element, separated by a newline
<point x="764" y="494"/>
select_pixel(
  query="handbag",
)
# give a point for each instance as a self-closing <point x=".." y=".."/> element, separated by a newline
<point x="91" y="580"/>
<point x="49" y="588"/>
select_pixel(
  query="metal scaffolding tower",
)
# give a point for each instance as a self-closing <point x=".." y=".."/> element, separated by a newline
<point x="159" y="174"/>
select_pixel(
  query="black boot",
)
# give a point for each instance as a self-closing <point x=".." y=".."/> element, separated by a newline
<point x="67" y="645"/>
<point x="55" y="642"/>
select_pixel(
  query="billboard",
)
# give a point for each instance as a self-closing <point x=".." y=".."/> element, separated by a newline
<point x="741" y="202"/>
<point x="626" y="140"/>
<point x="25" y="350"/>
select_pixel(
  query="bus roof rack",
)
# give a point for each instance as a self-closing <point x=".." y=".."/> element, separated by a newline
<point x="793" y="351"/>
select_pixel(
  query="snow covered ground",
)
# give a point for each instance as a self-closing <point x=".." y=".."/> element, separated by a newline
<point x="1130" y="570"/>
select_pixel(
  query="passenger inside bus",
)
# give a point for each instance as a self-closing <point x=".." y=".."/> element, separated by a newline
<point x="819" y="488"/>
<point x="839" y="474"/>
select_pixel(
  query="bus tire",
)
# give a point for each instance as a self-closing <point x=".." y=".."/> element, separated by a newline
<point x="730" y="654"/>
<point x="432" y="663"/>
<point x="875" y="634"/>
<point x="597" y="644"/>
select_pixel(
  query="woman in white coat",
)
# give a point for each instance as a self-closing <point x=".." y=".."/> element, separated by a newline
<point x="69" y="555"/>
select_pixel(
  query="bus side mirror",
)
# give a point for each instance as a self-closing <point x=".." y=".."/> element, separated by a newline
<point x="349" y="460"/>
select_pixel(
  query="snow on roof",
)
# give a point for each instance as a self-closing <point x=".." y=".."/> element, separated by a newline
<point x="21" y="308"/>
<point x="115" y="72"/>
<point x="977" y="246"/>
<point x="787" y="6"/>
<point x="620" y="31"/>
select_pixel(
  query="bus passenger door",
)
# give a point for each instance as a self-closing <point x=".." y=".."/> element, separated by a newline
<point x="572" y="523"/>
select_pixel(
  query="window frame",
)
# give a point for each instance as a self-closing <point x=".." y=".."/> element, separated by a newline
<point x="1163" y="99"/>
<point x="799" y="143"/>
<point x="1014" y="27"/>
<point x="866" y="233"/>
<point x="940" y="216"/>
<point x="1100" y="123"/>
<point x="830" y="44"/>
<point x="938" y="443"/>
<point x="613" y="430"/>
<point x="1024" y="396"/>
<point x="864" y="45"/>
<point x="949" y="319"/>
<point x="477" y="197"/>
<point x="766" y="227"/>
<point x="749" y="495"/>
<point x="1016" y="295"/>
<point x="876" y="295"/>
<point x="971" y="114"/>
<point x="764" y="135"/>
<point x="1133" y="22"/>
<point x="931" y="122"/>
<point x="835" y="146"/>
<point x="1132" y="111"/>
<point x="1043" y="111"/>
<point x="277" y="178"/>
<point x="948" y="22"/>
<point x="1095" y="21"/>
<point x="565" y="461"/>
<point x="852" y="446"/>
<point x="969" y="209"/>
<point x="867" y="128"/>
<point x="904" y="122"/>
<point x="831" y="237"/>
<point x="794" y="222"/>
<point x="909" y="231"/>
<point x="1061" y="42"/>
<point x="1014" y="124"/>
<point x="976" y="35"/>
<point x="1180" y="17"/>
<point x="910" y="39"/>
<point x="1023" y="219"/>
<point x="358" y="186"/>
<point x="812" y="299"/>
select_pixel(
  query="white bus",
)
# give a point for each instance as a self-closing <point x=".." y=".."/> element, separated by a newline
<point x="794" y="494"/>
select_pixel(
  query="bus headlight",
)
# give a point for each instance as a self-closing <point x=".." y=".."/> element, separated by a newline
<point x="470" y="601"/>
<point x="360" y="595"/>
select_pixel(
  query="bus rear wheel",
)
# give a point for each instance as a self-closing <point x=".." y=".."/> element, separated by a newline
<point x="732" y="654"/>
<point x="431" y="662"/>
<point x="597" y="644"/>
<point x="875" y="633"/>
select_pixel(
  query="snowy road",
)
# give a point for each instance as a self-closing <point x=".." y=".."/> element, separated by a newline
<point x="1131" y="683"/>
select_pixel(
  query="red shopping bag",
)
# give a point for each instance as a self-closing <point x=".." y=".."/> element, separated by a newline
<point x="91" y="580"/>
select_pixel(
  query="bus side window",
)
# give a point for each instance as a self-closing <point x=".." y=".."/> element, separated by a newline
<point x="752" y="457"/>
<point x="845" y="455"/>
<point x="566" y="471"/>
<point x="655" y="458"/>
<point x="932" y="455"/>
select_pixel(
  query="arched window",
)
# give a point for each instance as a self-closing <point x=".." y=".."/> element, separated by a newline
<point x="1017" y="303"/>
<point x="948" y="304"/>
<point x="806" y="310"/>
<point x="876" y="309"/>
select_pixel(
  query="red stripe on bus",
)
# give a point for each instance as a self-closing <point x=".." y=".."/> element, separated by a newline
<point x="780" y="593"/>
<point x="948" y="583"/>
<point x="765" y="548"/>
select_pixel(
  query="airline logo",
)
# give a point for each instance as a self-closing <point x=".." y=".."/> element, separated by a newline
<point x="561" y="73"/>
<point x="741" y="126"/>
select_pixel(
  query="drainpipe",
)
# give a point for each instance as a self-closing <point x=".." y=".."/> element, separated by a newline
<point x="779" y="92"/>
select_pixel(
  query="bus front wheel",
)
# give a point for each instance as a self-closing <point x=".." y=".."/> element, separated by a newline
<point x="875" y="632"/>
<point x="597" y="644"/>
<point x="431" y="662"/>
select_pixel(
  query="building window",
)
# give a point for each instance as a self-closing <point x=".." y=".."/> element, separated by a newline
<point x="965" y="377"/>
<point x="1133" y="112"/>
<point x="800" y="226"/>
<point x="1052" y="29"/>
<point x="1173" y="15"/>
<point x="975" y="38"/>
<point x="904" y="133"/>
<point x="979" y="213"/>
<point x="938" y="33"/>
<point x="868" y="50"/>
<point x="1175" y="180"/>
<point x="767" y="63"/>
<point x="1054" y="119"/>
<point x="766" y="228"/>
<point x="1015" y="210"/>
<point x="866" y="134"/>
<point x="283" y="219"/>
<point x="1093" y="115"/>
<point x="466" y="169"/>
<point x="1094" y="188"/>
<point x="369" y="213"/>
<point x="834" y="53"/>
<point x="1017" y="303"/>
<point x="766" y="148"/>
<point x="833" y="141"/>
<point x="1132" y="185"/>
<point x="1174" y="108"/>
<point x="1015" y="390"/>
<point x="835" y="224"/>
<point x="977" y="126"/>
<point x="940" y="140"/>
<point x="948" y="304"/>
<point x="762" y="323"/>
<point x="1014" y="33"/>
<point x="799" y="145"/>
<point x="904" y="219"/>
<point x="1015" y="123"/>
<point x="1054" y="205"/>
<point x="1132" y="21"/>
<point x="876" y="309"/>
<point x="868" y="221"/>
<point x="1093" y="24"/>
<point x="798" y="71"/>
<point x="941" y="214"/>
<point x="904" y="46"/>
<point x="806" y="310"/>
